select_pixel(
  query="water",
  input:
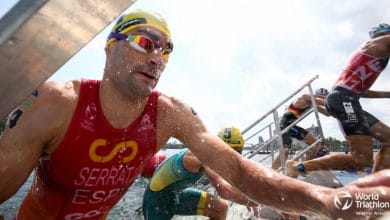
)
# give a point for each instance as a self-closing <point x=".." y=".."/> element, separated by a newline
<point x="128" y="206"/>
<point x="125" y="208"/>
<point x="345" y="177"/>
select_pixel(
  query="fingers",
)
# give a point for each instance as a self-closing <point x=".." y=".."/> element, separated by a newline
<point x="381" y="178"/>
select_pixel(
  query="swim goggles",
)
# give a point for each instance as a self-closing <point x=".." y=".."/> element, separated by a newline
<point x="143" y="44"/>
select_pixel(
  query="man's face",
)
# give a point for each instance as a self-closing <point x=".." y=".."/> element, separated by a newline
<point x="140" y="59"/>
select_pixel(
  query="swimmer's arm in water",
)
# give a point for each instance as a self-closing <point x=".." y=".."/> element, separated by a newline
<point x="31" y="130"/>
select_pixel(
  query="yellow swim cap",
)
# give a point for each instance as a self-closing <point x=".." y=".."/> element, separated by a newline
<point x="232" y="136"/>
<point x="136" y="19"/>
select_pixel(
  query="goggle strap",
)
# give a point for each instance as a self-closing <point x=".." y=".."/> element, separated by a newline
<point x="117" y="36"/>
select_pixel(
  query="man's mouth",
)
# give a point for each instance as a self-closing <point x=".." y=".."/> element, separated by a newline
<point x="149" y="75"/>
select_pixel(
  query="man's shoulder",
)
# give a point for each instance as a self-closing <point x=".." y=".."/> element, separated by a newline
<point x="378" y="47"/>
<point x="60" y="89"/>
<point x="169" y="101"/>
<point x="58" y="96"/>
<point x="175" y="114"/>
<point x="302" y="101"/>
<point x="51" y="100"/>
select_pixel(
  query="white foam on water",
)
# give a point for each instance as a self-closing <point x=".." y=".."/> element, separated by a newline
<point x="235" y="212"/>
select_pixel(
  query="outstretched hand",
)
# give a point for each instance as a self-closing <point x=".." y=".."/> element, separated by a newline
<point x="374" y="188"/>
<point x="380" y="178"/>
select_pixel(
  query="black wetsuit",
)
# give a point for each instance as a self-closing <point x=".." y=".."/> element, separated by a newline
<point x="292" y="114"/>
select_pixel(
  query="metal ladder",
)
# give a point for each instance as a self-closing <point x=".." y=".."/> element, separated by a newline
<point x="273" y="128"/>
<point x="275" y="134"/>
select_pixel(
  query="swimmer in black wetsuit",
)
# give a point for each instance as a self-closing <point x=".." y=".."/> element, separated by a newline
<point x="292" y="113"/>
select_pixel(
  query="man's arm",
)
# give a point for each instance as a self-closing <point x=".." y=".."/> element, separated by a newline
<point x="302" y="101"/>
<point x="226" y="190"/>
<point x="305" y="101"/>
<point x="376" y="94"/>
<point x="377" y="184"/>
<point x="321" y="106"/>
<point x="259" y="183"/>
<point x="30" y="129"/>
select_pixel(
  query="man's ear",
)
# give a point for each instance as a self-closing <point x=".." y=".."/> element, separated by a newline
<point x="107" y="49"/>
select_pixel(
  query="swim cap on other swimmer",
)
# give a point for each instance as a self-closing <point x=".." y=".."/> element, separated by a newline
<point x="379" y="29"/>
<point x="138" y="18"/>
<point x="321" y="92"/>
<point x="232" y="136"/>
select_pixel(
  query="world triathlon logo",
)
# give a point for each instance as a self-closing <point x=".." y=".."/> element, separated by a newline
<point x="343" y="200"/>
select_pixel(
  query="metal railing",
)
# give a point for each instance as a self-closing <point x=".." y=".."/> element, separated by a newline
<point x="274" y="132"/>
<point x="276" y="136"/>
